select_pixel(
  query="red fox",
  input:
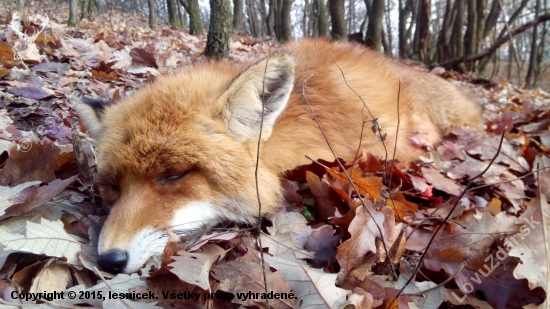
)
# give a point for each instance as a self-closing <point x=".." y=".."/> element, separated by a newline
<point x="180" y="153"/>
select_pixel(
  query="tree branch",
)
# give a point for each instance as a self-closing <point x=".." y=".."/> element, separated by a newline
<point x="185" y="5"/>
<point x="489" y="51"/>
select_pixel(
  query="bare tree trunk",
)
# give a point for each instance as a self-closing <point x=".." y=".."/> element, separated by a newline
<point x="388" y="31"/>
<point x="443" y="41"/>
<point x="180" y="14"/>
<point x="152" y="17"/>
<point x="238" y="18"/>
<point x="492" y="18"/>
<point x="320" y="11"/>
<point x="195" y="22"/>
<point x="84" y="9"/>
<point x="404" y="12"/>
<point x="510" y="61"/>
<point x="490" y="23"/>
<point x="336" y="8"/>
<point x="542" y="48"/>
<point x="420" y="45"/>
<point x="457" y="39"/>
<point x="533" y="63"/>
<point x="375" y="27"/>
<point x="285" y="21"/>
<point x="305" y="19"/>
<point x="73" y="6"/>
<point x="386" y="44"/>
<point x="270" y="20"/>
<point x="471" y="31"/>
<point x="173" y="19"/>
<point x="480" y="10"/>
<point x="217" y="42"/>
<point x="252" y="20"/>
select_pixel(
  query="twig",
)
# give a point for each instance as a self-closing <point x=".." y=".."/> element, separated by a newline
<point x="363" y="118"/>
<point x="505" y="181"/>
<point x="470" y="190"/>
<point x="258" y="187"/>
<point x="347" y="175"/>
<point x="395" y="149"/>
<point x="421" y="293"/>
<point x="107" y="284"/>
<point x="470" y="182"/>
<point x="388" y="180"/>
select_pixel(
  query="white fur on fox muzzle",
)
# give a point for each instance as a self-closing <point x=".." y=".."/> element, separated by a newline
<point x="148" y="242"/>
<point x="143" y="246"/>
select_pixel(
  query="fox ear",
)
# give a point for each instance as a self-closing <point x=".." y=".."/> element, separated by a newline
<point x="90" y="112"/>
<point x="269" y="83"/>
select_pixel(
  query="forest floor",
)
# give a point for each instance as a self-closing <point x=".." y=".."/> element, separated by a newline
<point x="323" y="248"/>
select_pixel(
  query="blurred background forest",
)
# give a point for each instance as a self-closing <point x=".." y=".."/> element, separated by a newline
<point x="496" y="39"/>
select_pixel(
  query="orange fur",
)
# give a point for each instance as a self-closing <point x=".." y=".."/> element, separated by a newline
<point x="180" y="123"/>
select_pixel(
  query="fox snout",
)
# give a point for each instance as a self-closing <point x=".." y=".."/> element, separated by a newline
<point x="114" y="261"/>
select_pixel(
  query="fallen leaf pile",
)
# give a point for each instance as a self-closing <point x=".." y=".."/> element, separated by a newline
<point x="368" y="243"/>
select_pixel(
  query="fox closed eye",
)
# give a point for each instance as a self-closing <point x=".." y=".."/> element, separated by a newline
<point x="109" y="192"/>
<point x="173" y="177"/>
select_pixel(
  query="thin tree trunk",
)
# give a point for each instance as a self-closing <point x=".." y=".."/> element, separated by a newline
<point x="420" y="46"/>
<point x="338" y="22"/>
<point x="180" y="14"/>
<point x="480" y="8"/>
<point x="533" y="63"/>
<point x="73" y="6"/>
<point x="457" y="39"/>
<point x="84" y="9"/>
<point x="388" y="31"/>
<point x="321" y="16"/>
<point x="305" y="19"/>
<point x="195" y="22"/>
<point x="404" y="12"/>
<point x="238" y="18"/>
<point x="217" y="42"/>
<point x="492" y="18"/>
<point x="152" y="17"/>
<point x="252" y="20"/>
<point x="172" y="13"/>
<point x="471" y="31"/>
<point x="270" y="20"/>
<point x="510" y="61"/>
<point x="542" y="48"/>
<point x="285" y="21"/>
<point x="375" y="27"/>
<point x="443" y="41"/>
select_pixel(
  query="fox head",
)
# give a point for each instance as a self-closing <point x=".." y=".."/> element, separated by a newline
<point x="180" y="154"/>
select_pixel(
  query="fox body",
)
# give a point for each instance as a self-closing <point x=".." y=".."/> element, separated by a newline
<point x="180" y="153"/>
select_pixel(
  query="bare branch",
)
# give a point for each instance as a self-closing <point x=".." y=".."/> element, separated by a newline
<point x="489" y="51"/>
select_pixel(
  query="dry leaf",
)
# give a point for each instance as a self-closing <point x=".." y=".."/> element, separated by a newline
<point x="194" y="267"/>
<point x="48" y="237"/>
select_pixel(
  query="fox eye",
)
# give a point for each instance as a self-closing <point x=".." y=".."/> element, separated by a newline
<point x="173" y="177"/>
<point x="109" y="192"/>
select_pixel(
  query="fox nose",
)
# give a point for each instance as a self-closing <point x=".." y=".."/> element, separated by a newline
<point x="113" y="261"/>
